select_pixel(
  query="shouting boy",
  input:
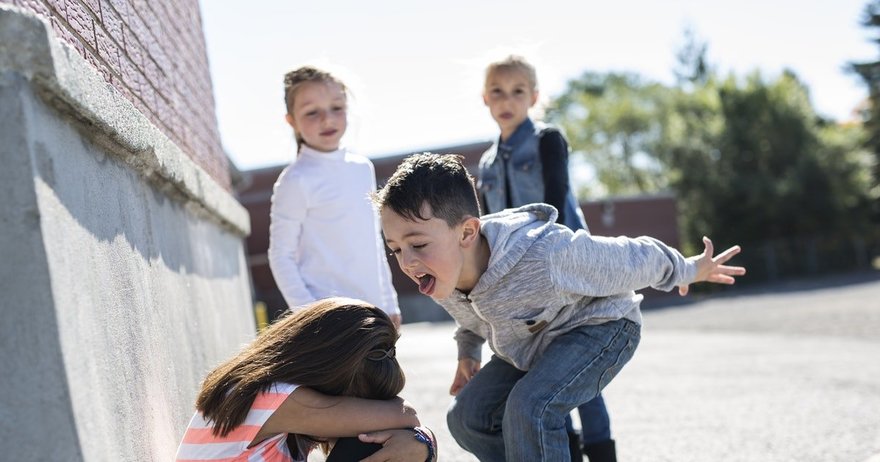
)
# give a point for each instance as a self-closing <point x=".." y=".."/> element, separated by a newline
<point x="556" y="306"/>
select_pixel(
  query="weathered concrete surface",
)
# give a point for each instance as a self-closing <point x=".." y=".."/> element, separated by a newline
<point x="787" y="373"/>
<point x="122" y="270"/>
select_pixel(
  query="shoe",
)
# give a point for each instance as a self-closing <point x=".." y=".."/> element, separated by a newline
<point x="603" y="451"/>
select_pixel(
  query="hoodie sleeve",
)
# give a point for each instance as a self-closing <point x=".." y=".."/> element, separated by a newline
<point x="470" y="345"/>
<point x="599" y="266"/>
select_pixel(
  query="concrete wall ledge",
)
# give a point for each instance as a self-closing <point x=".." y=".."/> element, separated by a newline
<point x="65" y="80"/>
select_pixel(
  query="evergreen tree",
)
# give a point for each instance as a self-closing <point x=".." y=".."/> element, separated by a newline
<point x="870" y="74"/>
<point x="748" y="158"/>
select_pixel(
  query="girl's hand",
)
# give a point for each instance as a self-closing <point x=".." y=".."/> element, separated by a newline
<point x="397" y="446"/>
<point x="713" y="269"/>
<point x="467" y="368"/>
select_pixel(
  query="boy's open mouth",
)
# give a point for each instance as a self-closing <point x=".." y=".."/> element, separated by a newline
<point x="426" y="283"/>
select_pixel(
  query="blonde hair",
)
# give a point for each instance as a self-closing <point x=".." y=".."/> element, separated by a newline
<point x="295" y="79"/>
<point x="513" y="63"/>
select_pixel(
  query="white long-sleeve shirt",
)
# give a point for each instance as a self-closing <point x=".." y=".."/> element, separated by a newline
<point x="324" y="237"/>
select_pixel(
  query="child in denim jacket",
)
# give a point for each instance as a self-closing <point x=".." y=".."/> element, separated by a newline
<point x="529" y="164"/>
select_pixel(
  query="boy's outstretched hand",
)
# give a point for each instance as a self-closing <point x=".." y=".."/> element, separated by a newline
<point x="713" y="269"/>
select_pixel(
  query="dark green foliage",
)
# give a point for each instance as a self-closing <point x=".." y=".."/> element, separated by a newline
<point x="870" y="74"/>
<point x="748" y="158"/>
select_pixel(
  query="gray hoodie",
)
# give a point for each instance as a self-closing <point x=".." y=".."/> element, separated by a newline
<point x="544" y="280"/>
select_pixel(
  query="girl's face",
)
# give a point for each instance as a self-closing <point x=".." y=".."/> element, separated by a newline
<point x="509" y="95"/>
<point x="319" y="114"/>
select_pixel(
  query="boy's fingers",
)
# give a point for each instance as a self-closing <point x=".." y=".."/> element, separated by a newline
<point x="721" y="279"/>
<point x="735" y="270"/>
<point x="728" y="270"/>
<point x="727" y="254"/>
<point x="710" y="248"/>
<point x="724" y="274"/>
<point x="455" y="387"/>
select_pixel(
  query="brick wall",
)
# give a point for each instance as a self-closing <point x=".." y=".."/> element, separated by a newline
<point x="154" y="53"/>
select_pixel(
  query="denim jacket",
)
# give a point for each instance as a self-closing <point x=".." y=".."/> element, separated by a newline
<point x="517" y="163"/>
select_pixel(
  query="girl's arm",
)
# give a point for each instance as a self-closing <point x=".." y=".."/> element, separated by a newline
<point x="309" y="412"/>
<point x="553" y="150"/>
<point x="389" y="295"/>
<point x="402" y="445"/>
<point x="288" y="212"/>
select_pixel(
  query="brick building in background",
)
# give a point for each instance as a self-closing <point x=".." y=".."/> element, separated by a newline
<point x="154" y="54"/>
<point x="123" y="272"/>
<point x="634" y="216"/>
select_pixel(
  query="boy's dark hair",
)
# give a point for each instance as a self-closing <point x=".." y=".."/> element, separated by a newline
<point x="439" y="180"/>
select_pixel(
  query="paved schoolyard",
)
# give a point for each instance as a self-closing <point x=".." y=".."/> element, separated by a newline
<point x="788" y="372"/>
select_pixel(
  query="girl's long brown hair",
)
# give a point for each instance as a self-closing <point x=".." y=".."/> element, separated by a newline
<point x="335" y="346"/>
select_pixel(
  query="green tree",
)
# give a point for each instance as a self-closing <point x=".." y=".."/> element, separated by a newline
<point x="748" y="158"/>
<point x="779" y="182"/>
<point x="689" y="151"/>
<point x="691" y="60"/>
<point x="870" y="74"/>
<point x="612" y="120"/>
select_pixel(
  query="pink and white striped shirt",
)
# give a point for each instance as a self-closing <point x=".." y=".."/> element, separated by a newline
<point x="199" y="444"/>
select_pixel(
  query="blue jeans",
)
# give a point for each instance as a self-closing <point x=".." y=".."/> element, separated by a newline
<point x="595" y="424"/>
<point x="504" y="413"/>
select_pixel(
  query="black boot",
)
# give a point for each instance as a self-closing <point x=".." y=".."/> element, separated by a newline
<point x="574" y="446"/>
<point x="603" y="451"/>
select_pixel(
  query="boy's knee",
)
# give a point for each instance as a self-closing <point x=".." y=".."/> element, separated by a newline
<point x="457" y="417"/>
<point x="464" y="419"/>
<point x="525" y="411"/>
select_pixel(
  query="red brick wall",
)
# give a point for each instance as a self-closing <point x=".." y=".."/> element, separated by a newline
<point x="154" y="53"/>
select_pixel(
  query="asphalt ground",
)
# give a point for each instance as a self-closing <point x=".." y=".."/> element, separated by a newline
<point x="783" y="372"/>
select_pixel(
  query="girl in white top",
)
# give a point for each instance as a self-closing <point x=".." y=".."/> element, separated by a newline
<point x="324" y="236"/>
<point x="295" y="388"/>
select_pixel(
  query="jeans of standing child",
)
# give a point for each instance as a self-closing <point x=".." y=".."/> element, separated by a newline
<point x="595" y="424"/>
<point x="531" y="406"/>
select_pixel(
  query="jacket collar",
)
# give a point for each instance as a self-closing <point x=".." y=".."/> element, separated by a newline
<point x="525" y="129"/>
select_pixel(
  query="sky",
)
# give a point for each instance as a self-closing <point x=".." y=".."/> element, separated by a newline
<point x="415" y="69"/>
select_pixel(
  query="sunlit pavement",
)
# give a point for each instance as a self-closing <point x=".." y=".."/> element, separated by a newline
<point x="790" y="372"/>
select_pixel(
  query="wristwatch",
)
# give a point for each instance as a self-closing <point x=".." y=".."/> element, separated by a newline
<point x="422" y="436"/>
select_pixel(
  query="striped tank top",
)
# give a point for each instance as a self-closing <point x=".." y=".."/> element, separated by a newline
<point x="199" y="444"/>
